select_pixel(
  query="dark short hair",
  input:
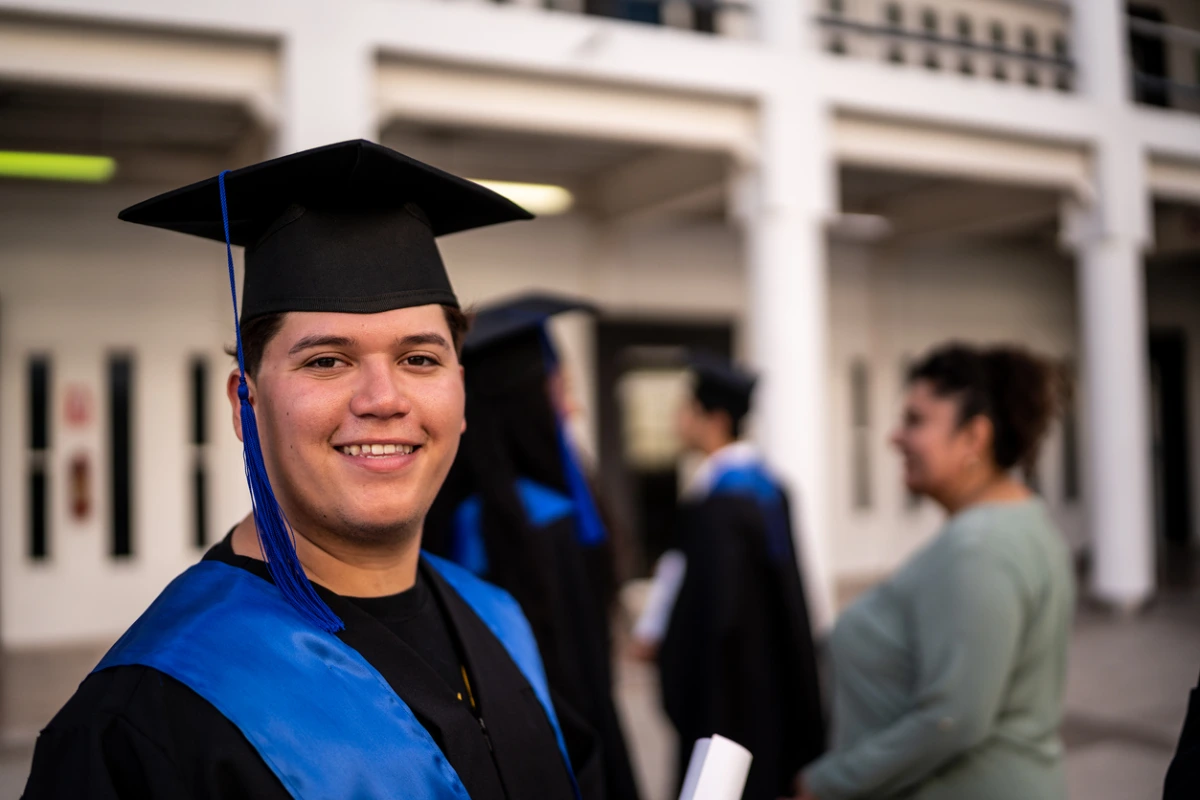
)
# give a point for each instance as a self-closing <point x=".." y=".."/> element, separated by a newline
<point x="713" y="402"/>
<point x="1009" y="385"/>
<point x="257" y="333"/>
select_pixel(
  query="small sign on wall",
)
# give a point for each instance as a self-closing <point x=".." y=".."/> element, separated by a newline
<point x="78" y="405"/>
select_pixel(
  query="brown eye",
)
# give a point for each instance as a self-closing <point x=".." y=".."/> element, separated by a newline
<point x="420" y="361"/>
<point x="324" y="362"/>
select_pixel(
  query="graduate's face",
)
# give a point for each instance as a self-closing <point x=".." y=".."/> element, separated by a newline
<point x="940" y="452"/>
<point x="360" y="417"/>
<point x="700" y="429"/>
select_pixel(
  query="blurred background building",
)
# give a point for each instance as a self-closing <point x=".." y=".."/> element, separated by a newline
<point x="823" y="187"/>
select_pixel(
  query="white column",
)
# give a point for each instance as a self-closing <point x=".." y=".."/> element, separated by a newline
<point x="783" y="202"/>
<point x="328" y="79"/>
<point x="1101" y="49"/>
<point x="1110" y="237"/>
<point x="783" y="23"/>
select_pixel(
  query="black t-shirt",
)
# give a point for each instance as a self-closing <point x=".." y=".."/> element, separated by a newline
<point x="415" y="616"/>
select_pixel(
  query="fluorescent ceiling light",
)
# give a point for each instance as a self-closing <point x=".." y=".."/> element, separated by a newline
<point x="56" y="167"/>
<point x="543" y="199"/>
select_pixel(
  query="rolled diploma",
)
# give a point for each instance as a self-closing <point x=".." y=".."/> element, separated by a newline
<point x="717" y="770"/>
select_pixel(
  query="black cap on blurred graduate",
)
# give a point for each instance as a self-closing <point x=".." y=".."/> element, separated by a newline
<point x="719" y="385"/>
<point x="509" y="319"/>
<point x="348" y="227"/>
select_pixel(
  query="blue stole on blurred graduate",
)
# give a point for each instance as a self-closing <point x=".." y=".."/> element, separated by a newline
<point x="322" y="718"/>
<point x="751" y="480"/>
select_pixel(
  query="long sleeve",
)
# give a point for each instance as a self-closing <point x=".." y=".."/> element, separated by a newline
<point x="131" y="732"/>
<point x="966" y="620"/>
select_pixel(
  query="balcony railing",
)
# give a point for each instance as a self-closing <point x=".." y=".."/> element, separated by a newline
<point x="1165" y="64"/>
<point x="731" y="18"/>
<point x="1000" y="40"/>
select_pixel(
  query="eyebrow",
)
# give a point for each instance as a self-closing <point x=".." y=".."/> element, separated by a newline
<point x="435" y="339"/>
<point x="320" y="340"/>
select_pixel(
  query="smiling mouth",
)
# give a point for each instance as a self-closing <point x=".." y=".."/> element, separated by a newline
<point x="378" y="450"/>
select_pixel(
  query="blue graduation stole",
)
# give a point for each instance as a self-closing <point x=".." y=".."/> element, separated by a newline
<point x="542" y="506"/>
<point x="753" y="481"/>
<point x="323" y="719"/>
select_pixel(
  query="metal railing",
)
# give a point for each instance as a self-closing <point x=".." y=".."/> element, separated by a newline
<point x="1000" y="40"/>
<point x="731" y="18"/>
<point x="1165" y="64"/>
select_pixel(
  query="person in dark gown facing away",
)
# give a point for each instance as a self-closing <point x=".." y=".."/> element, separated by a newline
<point x="316" y="652"/>
<point x="517" y="510"/>
<point x="737" y="658"/>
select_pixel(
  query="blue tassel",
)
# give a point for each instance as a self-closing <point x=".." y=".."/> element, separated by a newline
<point x="275" y="535"/>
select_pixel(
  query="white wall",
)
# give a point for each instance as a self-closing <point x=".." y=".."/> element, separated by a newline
<point x="77" y="284"/>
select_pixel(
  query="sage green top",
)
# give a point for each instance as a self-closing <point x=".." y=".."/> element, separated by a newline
<point x="949" y="676"/>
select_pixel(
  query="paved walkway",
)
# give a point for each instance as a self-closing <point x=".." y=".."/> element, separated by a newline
<point x="1127" y="694"/>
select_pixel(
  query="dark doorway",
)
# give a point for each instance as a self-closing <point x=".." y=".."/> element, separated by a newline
<point x="642" y="498"/>
<point x="1168" y="413"/>
<point x="1148" y="54"/>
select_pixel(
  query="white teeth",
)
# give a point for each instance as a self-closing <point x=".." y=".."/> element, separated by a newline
<point x="370" y="450"/>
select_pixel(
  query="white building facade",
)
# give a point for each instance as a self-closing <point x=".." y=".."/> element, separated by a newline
<point x="828" y="187"/>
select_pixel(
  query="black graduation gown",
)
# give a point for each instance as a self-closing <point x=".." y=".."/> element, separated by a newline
<point x="738" y="657"/>
<point x="133" y="732"/>
<point x="561" y="587"/>
<point x="1183" y="776"/>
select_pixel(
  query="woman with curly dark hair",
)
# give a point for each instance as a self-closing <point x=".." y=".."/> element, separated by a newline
<point x="949" y="676"/>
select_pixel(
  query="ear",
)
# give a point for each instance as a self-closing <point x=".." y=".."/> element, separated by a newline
<point x="462" y="376"/>
<point x="980" y="432"/>
<point x="235" y="403"/>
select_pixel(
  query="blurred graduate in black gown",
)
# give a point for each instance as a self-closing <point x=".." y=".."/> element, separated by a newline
<point x="737" y="658"/>
<point x="518" y="511"/>
<point x="1183" y="776"/>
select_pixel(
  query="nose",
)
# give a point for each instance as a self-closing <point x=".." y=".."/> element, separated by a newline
<point x="380" y="392"/>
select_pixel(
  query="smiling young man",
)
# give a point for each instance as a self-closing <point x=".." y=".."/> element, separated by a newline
<point x="315" y="652"/>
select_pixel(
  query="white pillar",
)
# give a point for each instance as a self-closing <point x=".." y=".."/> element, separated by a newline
<point x="328" y="79"/>
<point x="1110" y="237"/>
<point x="783" y="202"/>
<point x="783" y="23"/>
<point x="1101" y="49"/>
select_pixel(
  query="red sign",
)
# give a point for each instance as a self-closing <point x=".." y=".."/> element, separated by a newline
<point x="77" y="405"/>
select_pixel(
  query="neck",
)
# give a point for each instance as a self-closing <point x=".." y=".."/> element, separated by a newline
<point x="715" y="444"/>
<point x="992" y="487"/>
<point x="352" y="569"/>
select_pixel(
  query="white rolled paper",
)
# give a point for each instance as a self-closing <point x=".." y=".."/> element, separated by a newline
<point x="717" y="770"/>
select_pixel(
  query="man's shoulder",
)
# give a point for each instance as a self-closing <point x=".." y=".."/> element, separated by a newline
<point x="132" y="694"/>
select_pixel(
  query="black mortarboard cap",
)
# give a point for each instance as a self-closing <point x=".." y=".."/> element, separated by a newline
<point x="719" y="384"/>
<point x="346" y="227"/>
<point x="508" y="319"/>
